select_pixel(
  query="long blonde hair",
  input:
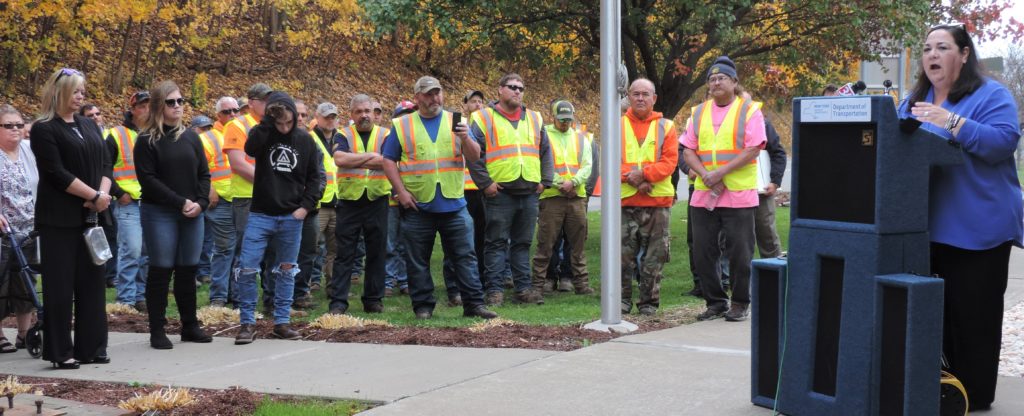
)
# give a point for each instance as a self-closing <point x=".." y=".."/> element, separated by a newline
<point x="58" y="91"/>
<point x="155" y="122"/>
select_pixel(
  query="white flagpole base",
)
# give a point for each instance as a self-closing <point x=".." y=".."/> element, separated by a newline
<point x="623" y="327"/>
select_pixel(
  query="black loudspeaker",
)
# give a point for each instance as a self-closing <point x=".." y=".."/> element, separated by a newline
<point x="838" y="161"/>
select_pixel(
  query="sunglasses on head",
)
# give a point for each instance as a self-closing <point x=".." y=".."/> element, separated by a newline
<point x="949" y="26"/>
<point x="67" y="72"/>
<point x="174" y="102"/>
<point x="519" y="88"/>
<point x="13" y="126"/>
<point x="229" y="111"/>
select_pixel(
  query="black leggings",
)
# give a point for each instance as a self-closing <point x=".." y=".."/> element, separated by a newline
<point x="973" y="315"/>
<point x="71" y="283"/>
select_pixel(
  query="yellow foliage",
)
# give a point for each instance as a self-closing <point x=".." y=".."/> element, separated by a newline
<point x="121" y="309"/>
<point x="12" y="386"/>
<point x="335" y="321"/>
<point x="490" y="323"/>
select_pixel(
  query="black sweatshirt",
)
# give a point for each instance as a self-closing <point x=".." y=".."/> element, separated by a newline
<point x="289" y="167"/>
<point x="171" y="171"/>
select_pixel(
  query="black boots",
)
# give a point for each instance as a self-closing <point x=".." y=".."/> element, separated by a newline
<point x="156" y="305"/>
<point x="185" y="296"/>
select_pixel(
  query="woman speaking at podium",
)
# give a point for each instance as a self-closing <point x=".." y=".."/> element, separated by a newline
<point x="975" y="213"/>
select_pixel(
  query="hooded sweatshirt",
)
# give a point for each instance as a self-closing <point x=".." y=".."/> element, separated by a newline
<point x="289" y="167"/>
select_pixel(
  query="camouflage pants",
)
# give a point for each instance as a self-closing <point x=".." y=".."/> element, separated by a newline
<point x="644" y="235"/>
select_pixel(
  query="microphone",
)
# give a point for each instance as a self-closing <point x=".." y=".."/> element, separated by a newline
<point x="859" y="87"/>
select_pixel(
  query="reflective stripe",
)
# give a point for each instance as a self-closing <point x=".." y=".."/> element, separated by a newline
<point x="124" y="142"/>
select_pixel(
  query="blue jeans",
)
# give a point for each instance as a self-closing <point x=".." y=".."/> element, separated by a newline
<point x="308" y="251"/>
<point x="282" y="233"/>
<point x="419" y="230"/>
<point x="173" y="239"/>
<point x="220" y="226"/>
<point x="395" y="266"/>
<point x="131" y="256"/>
<point x="511" y="220"/>
<point x="240" y="215"/>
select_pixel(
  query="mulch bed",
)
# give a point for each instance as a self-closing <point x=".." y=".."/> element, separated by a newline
<point x="552" y="338"/>
<point x="233" y="401"/>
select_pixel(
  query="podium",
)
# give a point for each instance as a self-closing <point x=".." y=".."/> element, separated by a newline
<point x="851" y="323"/>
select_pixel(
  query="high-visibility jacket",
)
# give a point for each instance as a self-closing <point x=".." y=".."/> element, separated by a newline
<point x="468" y="181"/>
<point x="330" y="169"/>
<point x="425" y="163"/>
<point x="124" y="166"/>
<point x="353" y="182"/>
<point x="636" y="154"/>
<point x="568" y="157"/>
<point x="220" y="169"/>
<point x="717" y="149"/>
<point x="240" y="187"/>
<point x="511" y="152"/>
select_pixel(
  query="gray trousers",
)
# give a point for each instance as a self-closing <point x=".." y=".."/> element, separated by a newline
<point x="764" y="228"/>
<point x="737" y="225"/>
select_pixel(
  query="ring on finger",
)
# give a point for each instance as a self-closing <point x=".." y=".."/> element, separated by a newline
<point x="926" y="113"/>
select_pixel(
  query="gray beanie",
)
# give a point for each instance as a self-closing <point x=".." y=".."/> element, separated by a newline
<point x="723" y="65"/>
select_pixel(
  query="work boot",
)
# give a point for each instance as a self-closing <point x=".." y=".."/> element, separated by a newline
<point x="389" y="292"/>
<point x="246" y="334"/>
<point x="479" y="311"/>
<point x="564" y="285"/>
<point x="625" y="307"/>
<point x="373" y="307"/>
<point x="711" y="313"/>
<point x="549" y="286"/>
<point x="304" y="302"/>
<point x="494" y="299"/>
<point x="582" y="288"/>
<point x="737" y="312"/>
<point x="529" y="296"/>
<point x="648" y="310"/>
<point x="454" y="301"/>
<point x="283" y="331"/>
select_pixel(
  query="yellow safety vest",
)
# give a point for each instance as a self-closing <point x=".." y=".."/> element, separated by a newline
<point x="568" y="157"/>
<point x="124" y="166"/>
<point x="717" y="149"/>
<point x="637" y="155"/>
<point x="330" y="169"/>
<point x="220" y="169"/>
<point x="240" y="187"/>
<point x="512" y="152"/>
<point x="426" y="163"/>
<point x="353" y="182"/>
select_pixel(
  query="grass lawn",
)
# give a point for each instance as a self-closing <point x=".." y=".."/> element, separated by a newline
<point x="559" y="308"/>
<point x="309" y="408"/>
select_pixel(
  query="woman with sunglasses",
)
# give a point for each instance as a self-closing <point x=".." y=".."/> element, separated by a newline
<point x="18" y="181"/>
<point x="75" y="173"/>
<point x="975" y="211"/>
<point x="172" y="170"/>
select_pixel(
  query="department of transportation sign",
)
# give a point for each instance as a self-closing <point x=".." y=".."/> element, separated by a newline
<point x="834" y="110"/>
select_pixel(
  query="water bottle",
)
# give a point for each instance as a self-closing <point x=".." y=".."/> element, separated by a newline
<point x="712" y="200"/>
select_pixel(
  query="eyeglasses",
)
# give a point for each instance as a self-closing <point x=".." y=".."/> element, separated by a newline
<point x="717" y="78"/>
<point x="174" y="102"/>
<point x="13" y="126"/>
<point x="519" y="88"/>
<point x="303" y="115"/>
<point x="67" y="72"/>
<point x="949" y="26"/>
<point x="229" y="111"/>
<point x="93" y="115"/>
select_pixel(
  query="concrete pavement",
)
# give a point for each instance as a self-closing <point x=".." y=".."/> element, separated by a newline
<point x="703" y="368"/>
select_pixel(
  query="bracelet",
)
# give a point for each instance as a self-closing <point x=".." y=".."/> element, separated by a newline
<point x="98" y="195"/>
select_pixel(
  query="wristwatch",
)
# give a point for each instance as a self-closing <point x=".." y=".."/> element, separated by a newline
<point x="98" y="195"/>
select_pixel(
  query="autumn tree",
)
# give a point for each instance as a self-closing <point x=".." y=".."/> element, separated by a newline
<point x="672" y="42"/>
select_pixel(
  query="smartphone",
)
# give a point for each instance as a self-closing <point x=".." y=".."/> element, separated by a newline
<point x="456" y="119"/>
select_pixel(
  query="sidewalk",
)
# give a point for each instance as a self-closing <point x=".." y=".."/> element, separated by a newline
<point x="703" y="368"/>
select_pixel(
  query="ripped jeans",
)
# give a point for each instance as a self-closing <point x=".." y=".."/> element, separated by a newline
<point x="282" y="233"/>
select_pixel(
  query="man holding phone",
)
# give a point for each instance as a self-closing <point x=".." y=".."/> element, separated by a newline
<point x="362" y="208"/>
<point x="423" y="160"/>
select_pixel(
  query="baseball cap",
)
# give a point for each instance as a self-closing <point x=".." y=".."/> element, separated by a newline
<point x="425" y="84"/>
<point x="201" y="121"/>
<point x="470" y="94"/>
<point x="138" y="98"/>
<point x="326" y="108"/>
<point x="259" y="91"/>
<point x="564" y="111"/>
<point x="242" y="102"/>
<point x="403" y="107"/>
